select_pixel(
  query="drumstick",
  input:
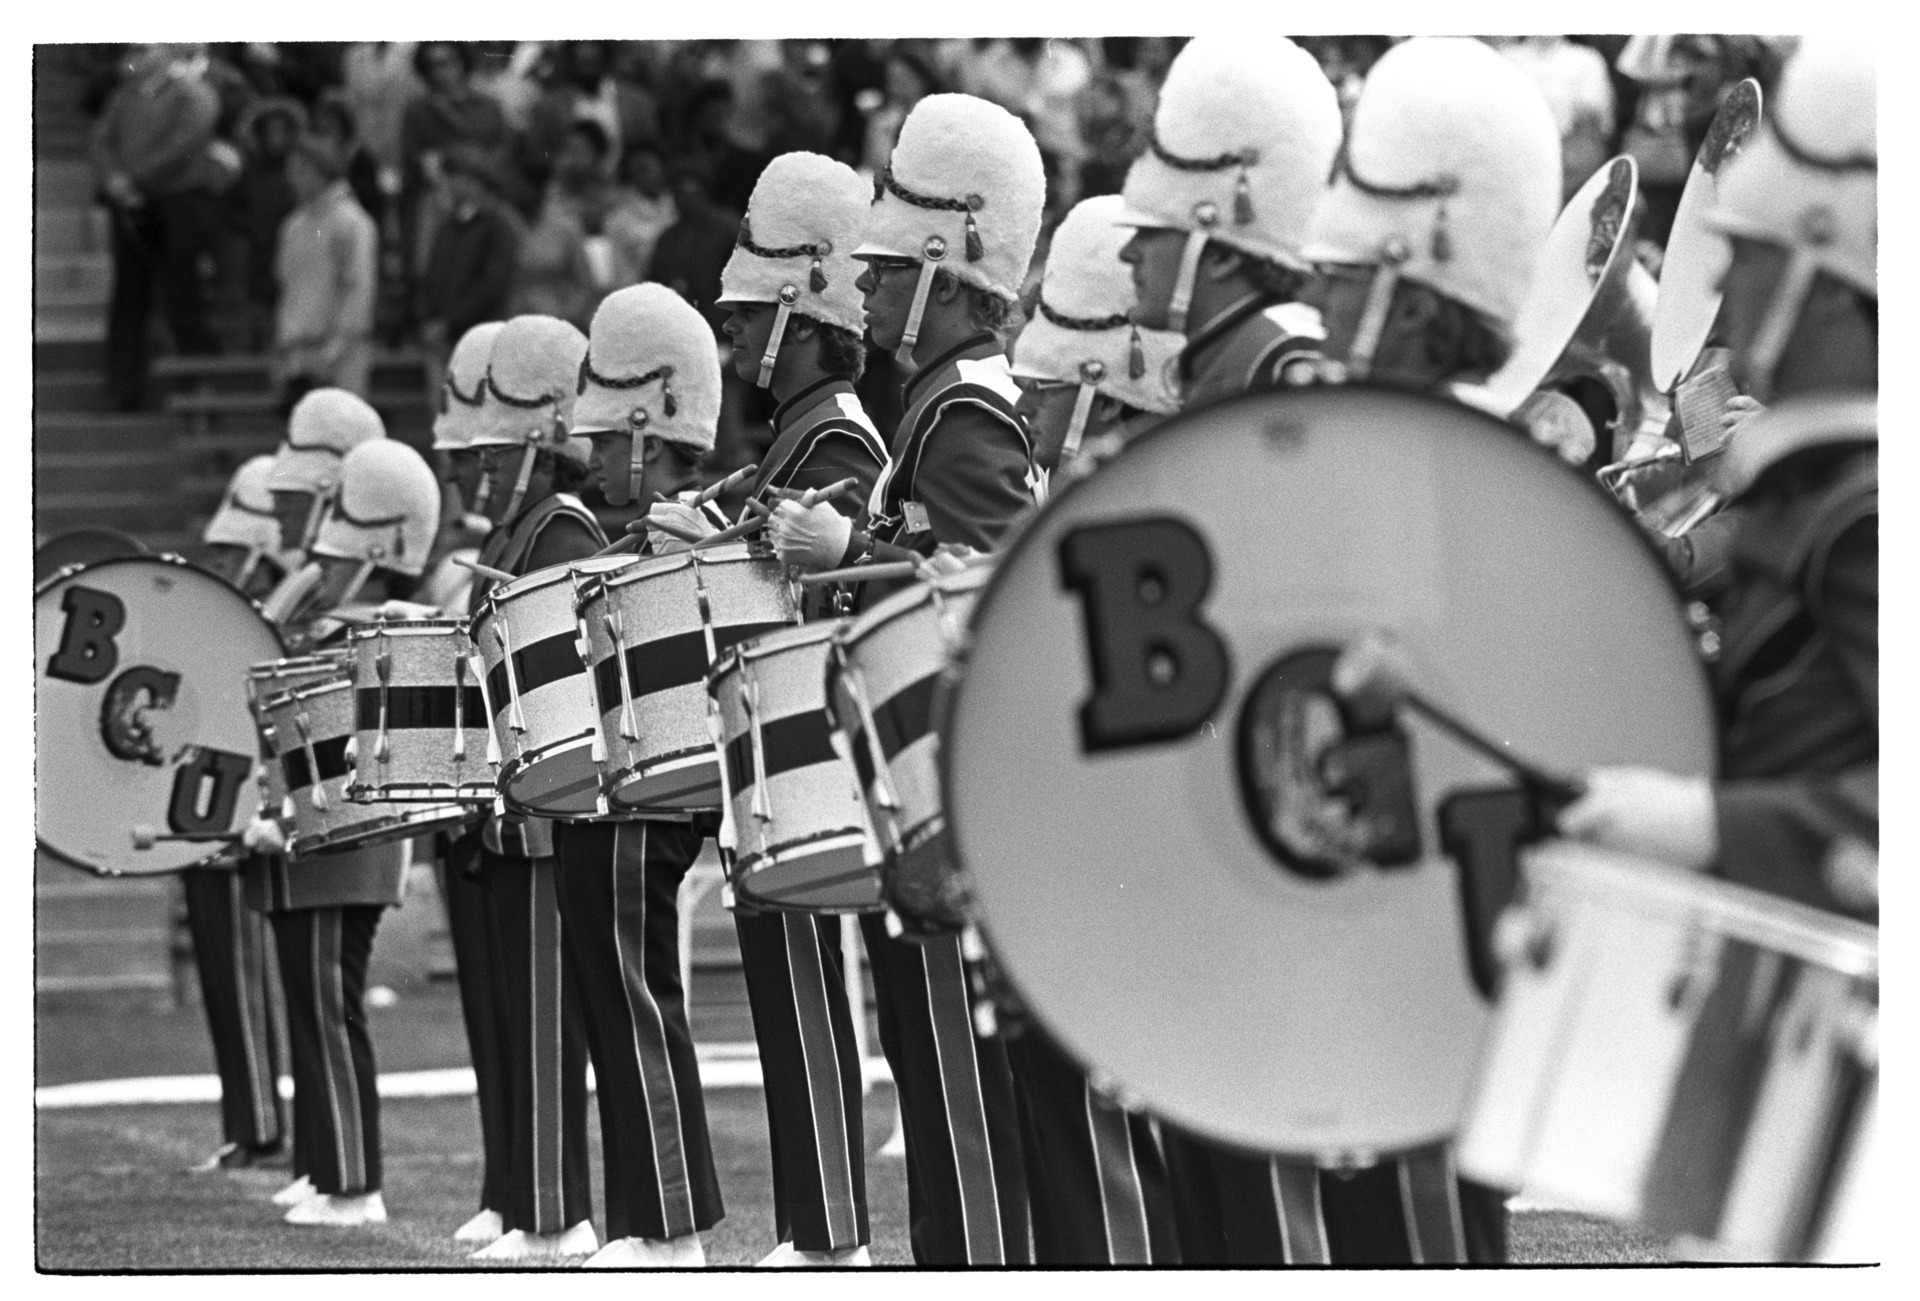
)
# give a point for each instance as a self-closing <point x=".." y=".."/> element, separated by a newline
<point x="814" y="496"/>
<point x="485" y="571"/>
<point x="730" y="534"/>
<point x="714" y="490"/>
<point x="145" y="837"/>
<point x="1375" y="670"/>
<point x="627" y="542"/>
<point x="864" y="573"/>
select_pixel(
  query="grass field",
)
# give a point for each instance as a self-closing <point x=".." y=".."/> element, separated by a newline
<point x="113" y="1192"/>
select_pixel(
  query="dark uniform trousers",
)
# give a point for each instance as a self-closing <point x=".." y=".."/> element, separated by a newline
<point x="618" y="884"/>
<point x="810" y="1065"/>
<point x="232" y="955"/>
<point x="966" y="1179"/>
<point x="1096" y="1181"/>
<point x="336" y="1115"/>
<point x="464" y="889"/>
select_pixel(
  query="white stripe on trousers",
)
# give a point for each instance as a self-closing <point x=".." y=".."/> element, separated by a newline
<point x="1123" y="1202"/>
<point x="250" y="985"/>
<point x="1296" y="1199"/>
<point x="331" y="1004"/>
<point x="829" y="1120"/>
<point x="632" y="975"/>
<point x="1430" y="1168"/>
<point x="992" y="1251"/>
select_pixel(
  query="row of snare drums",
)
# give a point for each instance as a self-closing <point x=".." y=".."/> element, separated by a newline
<point x="621" y="687"/>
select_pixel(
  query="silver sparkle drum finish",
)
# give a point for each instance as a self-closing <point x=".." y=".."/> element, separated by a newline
<point x="140" y="716"/>
<point x="1674" y="1051"/>
<point x="652" y="632"/>
<point x="1215" y="881"/>
<point x="799" y="831"/>
<point x="420" y="725"/>
<point x="538" y="691"/>
<point x="271" y="678"/>
<point x="882" y="675"/>
<point x="312" y="732"/>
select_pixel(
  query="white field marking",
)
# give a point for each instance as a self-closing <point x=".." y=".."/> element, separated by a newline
<point x="722" y="1066"/>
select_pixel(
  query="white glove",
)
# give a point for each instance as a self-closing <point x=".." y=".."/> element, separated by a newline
<point x="950" y="558"/>
<point x="813" y="537"/>
<point x="408" y="610"/>
<point x="1644" y="811"/>
<point x="681" y="515"/>
<point x="263" y="836"/>
<point x="1852" y="872"/>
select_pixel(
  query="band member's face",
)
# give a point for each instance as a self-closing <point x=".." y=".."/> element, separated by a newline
<point x="292" y="510"/>
<point x="1340" y="295"/>
<point x="224" y="560"/>
<point x="336" y="575"/>
<point x="610" y="465"/>
<point x="1831" y="346"/>
<point x="1154" y="254"/>
<point x="888" y="283"/>
<point x="1047" y="407"/>
<point x="748" y="328"/>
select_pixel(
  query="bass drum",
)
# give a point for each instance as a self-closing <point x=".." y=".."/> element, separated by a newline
<point x="1217" y="883"/>
<point x="142" y="717"/>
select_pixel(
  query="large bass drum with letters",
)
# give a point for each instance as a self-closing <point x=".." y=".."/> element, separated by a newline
<point x="1228" y="892"/>
<point x="141" y="713"/>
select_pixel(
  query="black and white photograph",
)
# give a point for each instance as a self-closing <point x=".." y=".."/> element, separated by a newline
<point x="743" y="651"/>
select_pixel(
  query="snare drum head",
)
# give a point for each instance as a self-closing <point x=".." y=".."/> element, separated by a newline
<point x="1212" y="880"/>
<point x="142" y="714"/>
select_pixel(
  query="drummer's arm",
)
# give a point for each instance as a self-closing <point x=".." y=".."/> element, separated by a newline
<point x="972" y="477"/>
<point x="1775" y="834"/>
<point x="833" y="457"/>
<point x="562" y="539"/>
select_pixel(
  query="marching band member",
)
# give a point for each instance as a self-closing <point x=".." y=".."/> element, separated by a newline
<point x="797" y="325"/>
<point x="463" y="883"/>
<point x="323" y="427"/>
<point x="1440" y="205"/>
<point x="325" y="907"/>
<point x="241" y="543"/>
<point x="1243" y="138"/>
<point x="1798" y="672"/>
<point x="649" y="402"/>
<point x="947" y="247"/>
<point x="1095" y="1178"/>
<point x="519" y="469"/>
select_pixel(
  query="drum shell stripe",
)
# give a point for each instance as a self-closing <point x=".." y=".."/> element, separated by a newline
<point x="796" y="741"/>
<point x="669" y="662"/>
<point x="412" y="707"/>
<point x="900" y="720"/>
<point x="331" y="756"/>
<point x="549" y="660"/>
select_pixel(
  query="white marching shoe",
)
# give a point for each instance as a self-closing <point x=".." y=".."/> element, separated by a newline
<point x="650" y="1253"/>
<point x="580" y="1240"/>
<point x="339" y="1210"/>
<point x="294" y="1193"/>
<point x="482" y="1228"/>
<point x="787" y="1256"/>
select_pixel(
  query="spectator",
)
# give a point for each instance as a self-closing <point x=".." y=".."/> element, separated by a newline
<point x="1112" y="134"/>
<point x="449" y="113"/>
<point x="333" y="122"/>
<point x="161" y="172"/>
<point x="328" y="249"/>
<point x="469" y="275"/>
<point x="513" y="74"/>
<point x="554" y="276"/>
<point x="585" y="90"/>
<point x="642" y="209"/>
<point x="260" y="202"/>
<point x="378" y="82"/>
<point x="910" y="79"/>
<point x="692" y="252"/>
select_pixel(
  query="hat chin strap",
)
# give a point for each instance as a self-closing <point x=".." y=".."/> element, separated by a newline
<point x="1182" y="299"/>
<point x="316" y="515"/>
<point x="375" y="554"/>
<point x="778" y="333"/>
<point x="529" y="453"/>
<point x="911" y="335"/>
<point x="1373" y="317"/>
<point x="1077" y="424"/>
<point x="247" y="566"/>
<point x="1783" y="313"/>
<point x="485" y="491"/>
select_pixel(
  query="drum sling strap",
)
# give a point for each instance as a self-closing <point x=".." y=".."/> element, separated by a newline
<point x="791" y="446"/>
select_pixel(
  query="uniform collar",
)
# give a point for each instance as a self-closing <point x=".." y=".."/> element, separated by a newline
<point x="981" y="344"/>
<point x="821" y="390"/>
<point x="1216" y="331"/>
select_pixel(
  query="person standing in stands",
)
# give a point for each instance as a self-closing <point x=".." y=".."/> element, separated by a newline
<point x="325" y="265"/>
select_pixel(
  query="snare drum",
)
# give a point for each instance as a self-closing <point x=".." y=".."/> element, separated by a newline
<point x="420" y="726"/>
<point x="800" y="832"/>
<point x="271" y="678"/>
<point x="539" y="694"/>
<point x="652" y="632"/>
<point x="1671" y="1050"/>
<point x="313" y="730"/>
<point x="881" y="678"/>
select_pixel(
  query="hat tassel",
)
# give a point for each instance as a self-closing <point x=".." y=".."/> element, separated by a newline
<point x="1136" y="356"/>
<point x="1442" y="237"/>
<point x="1243" y="199"/>
<point x="975" y="249"/>
<point x="817" y="277"/>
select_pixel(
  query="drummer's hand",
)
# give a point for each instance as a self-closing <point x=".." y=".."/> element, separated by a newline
<point x="813" y="537"/>
<point x="949" y="558"/>
<point x="263" y="836"/>
<point x="396" y="609"/>
<point x="1646" y="811"/>
<point x="1852" y="873"/>
<point x="1739" y="409"/>
<point x="681" y="515"/>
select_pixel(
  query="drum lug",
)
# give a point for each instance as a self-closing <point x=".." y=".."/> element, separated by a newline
<point x="895" y="927"/>
<point x="1523" y="936"/>
<point x="1691" y="985"/>
<point x="516" y="718"/>
<point x="762" y="798"/>
<point x="727" y="896"/>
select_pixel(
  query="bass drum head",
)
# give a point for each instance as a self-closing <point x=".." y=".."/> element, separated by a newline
<point x="142" y="717"/>
<point x="1170" y="834"/>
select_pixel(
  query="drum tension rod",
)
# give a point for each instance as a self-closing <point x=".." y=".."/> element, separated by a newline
<point x="383" y="666"/>
<point x="459" y="711"/>
<point x="516" y="717"/>
<point x="319" y="788"/>
<point x="762" y="798"/>
<point x="615" y="627"/>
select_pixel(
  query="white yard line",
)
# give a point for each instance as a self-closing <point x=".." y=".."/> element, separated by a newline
<point x="722" y="1066"/>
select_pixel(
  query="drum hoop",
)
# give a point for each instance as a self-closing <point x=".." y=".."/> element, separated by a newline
<point x="363" y="835"/>
<point x="166" y="558"/>
<point x="674" y="561"/>
<point x="768" y="644"/>
<point x="507" y="593"/>
<point x="404" y="628"/>
<point x="777" y="853"/>
<point x="973" y="579"/>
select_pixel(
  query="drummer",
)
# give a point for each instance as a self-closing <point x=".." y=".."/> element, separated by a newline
<point x="797" y="324"/>
<point x="325" y="907"/>
<point x="1798" y="673"/>
<point x="649" y="402"/>
<point x="325" y="424"/>
<point x="517" y="466"/>
<point x="947" y="248"/>
<point x="1095" y="1176"/>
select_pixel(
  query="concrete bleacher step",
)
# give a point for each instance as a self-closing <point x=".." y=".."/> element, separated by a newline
<point x="68" y="391"/>
<point x="153" y="470"/>
<point x="72" y="278"/>
<point x="102" y="939"/>
<point x="138" y="513"/>
<point x="60" y="231"/>
<point x="69" y="323"/>
<point x="63" y="182"/>
<point x="75" y="431"/>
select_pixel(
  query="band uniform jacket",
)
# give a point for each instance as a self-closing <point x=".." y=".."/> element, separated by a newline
<point x="511" y="548"/>
<point x="1798" y="675"/>
<point x="822" y="435"/>
<point x="1246" y="349"/>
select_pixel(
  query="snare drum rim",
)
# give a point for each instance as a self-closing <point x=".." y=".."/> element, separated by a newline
<point x="768" y="644"/>
<point x="404" y="628"/>
<point x="280" y="699"/>
<point x="974" y="579"/>
<point x="672" y="561"/>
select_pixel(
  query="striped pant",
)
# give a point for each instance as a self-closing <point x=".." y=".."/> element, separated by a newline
<point x="620" y="933"/>
<point x="966" y="1181"/>
<point x="810" y="1063"/>
<point x="231" y="952"/>
<point x="1095" y="1179"/>
<point x="464" y="891"/>
<point x="336" y="1103"/>
<point x="1233" y="1208"/>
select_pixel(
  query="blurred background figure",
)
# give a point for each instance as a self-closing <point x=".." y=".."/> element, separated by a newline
<point x="1574" y="80"/>
<point x="260" y="202"/>
<point x="447" y="114"/>
<point x="584" y="89"/>
<point x="640" y="211"/>
<point x="469" y="273"/>
<point x="325" y="270"/>
<point x="555" y="276"/>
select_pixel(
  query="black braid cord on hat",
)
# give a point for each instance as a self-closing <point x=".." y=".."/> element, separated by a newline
<point x="971" y="204"/>
<point x="1065" y="322"/>
<point x="1219" y="163"/>
<point x="587" y="372"/>
<point x="525" y="404"/>
<point x="1807" y="158"/>
<point x="1444" y="186"/>
<point x="745" y="241"/>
